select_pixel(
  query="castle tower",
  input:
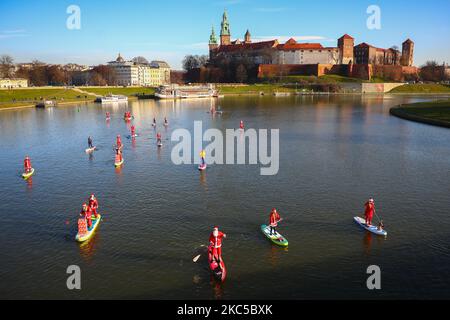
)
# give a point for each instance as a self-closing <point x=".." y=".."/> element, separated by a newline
<point x="225" y="34"/>
<point x="408" y="53"/>
<point x="213" y="44"/>
<point x="248" y="37"/>
<point x="346" y="45"/>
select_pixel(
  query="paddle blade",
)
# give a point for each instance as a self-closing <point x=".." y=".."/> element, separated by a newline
<point x="196" y="258"/>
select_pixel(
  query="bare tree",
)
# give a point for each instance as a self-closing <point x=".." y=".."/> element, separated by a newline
<point x="6" y="66"/>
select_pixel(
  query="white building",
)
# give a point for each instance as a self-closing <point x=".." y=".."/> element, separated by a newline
<point x="305" y="53"/>
<point x="129" y="73"/>
<point x="7" y="83"/>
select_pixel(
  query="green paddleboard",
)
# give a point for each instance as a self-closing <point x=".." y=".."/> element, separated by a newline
<point x="277" y="238"/>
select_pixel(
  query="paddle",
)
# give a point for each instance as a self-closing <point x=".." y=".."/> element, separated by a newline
<point x="195" y="259"/>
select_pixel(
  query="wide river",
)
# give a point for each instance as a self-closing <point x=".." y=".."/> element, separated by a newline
<point x="335" y="153"/>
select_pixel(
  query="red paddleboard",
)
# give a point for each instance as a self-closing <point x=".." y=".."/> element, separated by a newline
<point x="219" y="271"/>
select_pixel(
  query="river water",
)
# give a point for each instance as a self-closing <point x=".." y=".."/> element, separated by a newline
<point x="335" y="153"/>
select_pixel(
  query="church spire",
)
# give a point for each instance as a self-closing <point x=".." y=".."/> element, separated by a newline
<point x="213" y="38"/>
<point x="225" y="33"/>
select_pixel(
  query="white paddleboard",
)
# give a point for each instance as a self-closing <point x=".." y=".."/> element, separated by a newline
<point x="374" y="229"/>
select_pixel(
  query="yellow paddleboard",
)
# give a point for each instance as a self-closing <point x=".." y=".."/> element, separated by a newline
<point x="90" y="233"/>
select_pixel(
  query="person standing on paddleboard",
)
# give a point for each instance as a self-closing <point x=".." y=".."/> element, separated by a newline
<point x="27" y="164"/>
<point x="203" y="156"/>
<point x="274" y="218"/>
<point x="159" y="139"/>
<point x="93" y="205"/>
<point x="118" y="142"/>
<point x="215" y="242"/>
<point x="133" y="131"/>
<point x="369" y="211"/>
<point x="90" y="144"/>
<point x="166" y="123"/>
<point x="241" y="125"/>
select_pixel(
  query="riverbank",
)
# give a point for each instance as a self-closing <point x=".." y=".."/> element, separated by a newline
<point x="29" y="97"/>
<point x="24" y="98"/>
<point x="436" y="113"/>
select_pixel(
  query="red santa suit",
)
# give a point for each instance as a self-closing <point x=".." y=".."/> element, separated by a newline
<point x="215" y="241"/>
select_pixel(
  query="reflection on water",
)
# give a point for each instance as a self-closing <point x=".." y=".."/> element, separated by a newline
<point x="87" y="248"/>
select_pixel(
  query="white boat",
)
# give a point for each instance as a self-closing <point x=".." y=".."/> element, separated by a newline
<point x="114" y="99"/>
<point x="185" y="92"/>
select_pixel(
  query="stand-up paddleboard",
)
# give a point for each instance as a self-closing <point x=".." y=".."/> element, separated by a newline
<point x="89" y="150"/>
<point x="202" y="167"/>
<point x="27" y="175"/>
<point x="276" y="238"/>
<point x="132" y="136"/>
<point x="219" y="271"/>
<point x="118" y="164"/>
<point x="160" y="145"/>
<point x="90" y="231"/>
<point x="166" y="124"/>
<point x="362" y="223"/>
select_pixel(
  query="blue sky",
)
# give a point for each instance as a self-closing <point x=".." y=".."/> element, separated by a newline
<point x="170" y="29"/>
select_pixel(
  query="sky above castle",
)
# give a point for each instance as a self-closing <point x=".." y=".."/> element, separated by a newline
<point x="168" y="30"/>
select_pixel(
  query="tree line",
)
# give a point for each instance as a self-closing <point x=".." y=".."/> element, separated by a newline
<point x="41" y="74"/>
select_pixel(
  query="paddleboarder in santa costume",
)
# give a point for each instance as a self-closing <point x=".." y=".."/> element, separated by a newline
<point x="93" y="205"/>
<point x="274" y="219"/>
<point x="27" y="164"/>
<point x="369" y="211"/>
<point x="133" y="131"/>
<point x="242" y="126"/>
<point x="215" y="242"/>
<point x="159" y="139"/>
<point x="119" y="142"/>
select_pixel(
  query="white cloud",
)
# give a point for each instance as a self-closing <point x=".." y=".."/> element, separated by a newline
<point x="7" y="34"/>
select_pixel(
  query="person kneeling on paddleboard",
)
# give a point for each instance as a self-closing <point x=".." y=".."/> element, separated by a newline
<point x="90" y="144"/>
<point x="274" y="218"/>
<point x="86" y="213"/>
<point x="369" y="211"/>
<point x="27" y="164"/>
<point x="93" y="205"/>
<point x="215" y="242"/>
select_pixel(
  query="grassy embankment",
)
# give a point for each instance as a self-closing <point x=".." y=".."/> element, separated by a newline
<point x="28" y="97"/>
<point x="434" y="113"/>
<point x="422" y="88"/>
<point x="291" y="84"/>
<point x="128" y="91"/>
<point x="31" y="96"/>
